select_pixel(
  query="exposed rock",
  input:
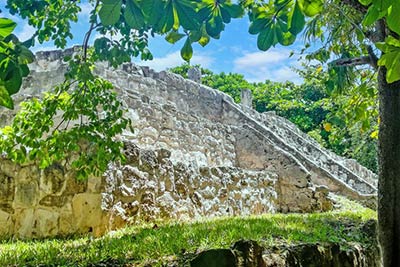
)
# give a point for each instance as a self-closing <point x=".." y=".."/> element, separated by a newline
<point x="193" y="153"/>
<point x="248" y="253"/>
<point x="321" y="255"/>
<point x="214" y="258"/>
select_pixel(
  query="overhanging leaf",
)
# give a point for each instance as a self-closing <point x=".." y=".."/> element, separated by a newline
<point x="25" y="56"/>
<point x="166" y="22"/>
<point x="153" y="10"/>
<point x="214" y="26"/>
<point x="392" y="18"/>
<point x="236" y="11"/>
<point x="13" y="84"/>
<point x="5" y="99"/>
<point x="187" y="50"/>
<point x="186" y="14"/>
<point x="133" y="15"/>
<point x="382" y="5"/>
<point x="174" y="37"/>
<point x="371" y="16"/>
<point x="311" y="7"/>
<point x="110" y="12"/>
<point x="6" y="26"/>
<point x="266" y="38"/>
<point x="258" y="25"/>
<point x="391" y="61"/>
<point x="297" y="21"/>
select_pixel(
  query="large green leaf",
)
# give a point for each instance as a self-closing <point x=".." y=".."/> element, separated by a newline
<point x="392" y="18"/>
<point x="187" y="50"/>
<point x="236" y="11"/>
<point x="25" y="56"/>
<point x="195" y="36"/>
<point x="383" y="5"/>
<point x="174" y="37"/>
<point x="13" y="84"/>
<point x="297" y="21"/>
<point x="391" y="61"/>
<point x="258" y="25"/>
<point x="5" y="99"/>
<point x="133" y="15"/>
<point x="311" y="7"/>
<point x="6" y="26"/>
<point x="365" y="2"/>
<point x="186" y="14"/>
<point x="205" y="38"/>
<point x="266" y="38"/>
<point x="214" y="26"/>
<point x="371" y="16"/>
<point x="166" y="22"/>
<point x="226" y="17"/>
<point x="287" y="39"/>
<point x="110" y="12"/>
<point x="153" y="10"/>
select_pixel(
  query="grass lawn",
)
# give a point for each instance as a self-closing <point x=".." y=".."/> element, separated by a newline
<point x="147" y="243"/>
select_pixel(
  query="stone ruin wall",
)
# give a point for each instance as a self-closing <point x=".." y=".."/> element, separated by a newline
<point x="193" y="153"/>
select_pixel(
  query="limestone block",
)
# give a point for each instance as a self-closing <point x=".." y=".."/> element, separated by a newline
<point x="149" y="132"/>
<point x="167" y="204"/>
<point x="46" y="223"/>
<point x="6" y="224"/>
<point x="7" y="188"/>
<point x="73" y="186"/>
<point x="67" y="223"/>
<point x="86" y="208"/>
<point x="28" y="173"/>
<point x="24" y="222"/>
<point x="26" y="194"/>
<point x="52" y="180"/>
<point x="9" y="169"/>
<point x="95" y="184"/>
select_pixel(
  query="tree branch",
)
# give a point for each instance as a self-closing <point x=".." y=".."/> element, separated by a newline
<point x="350" y="62"/>
<point x="371" y="59"/>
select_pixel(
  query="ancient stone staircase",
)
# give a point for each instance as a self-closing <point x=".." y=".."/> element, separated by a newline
<point x="341" y="175"/>
<point x="193" y="153"/>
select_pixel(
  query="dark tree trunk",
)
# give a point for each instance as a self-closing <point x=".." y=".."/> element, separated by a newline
<point x="389" y="171"/>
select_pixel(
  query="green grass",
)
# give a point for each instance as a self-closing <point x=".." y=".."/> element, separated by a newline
<point x="138" y="245"/>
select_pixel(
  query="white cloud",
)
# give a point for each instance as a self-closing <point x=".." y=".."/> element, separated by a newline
<point x="174" y="59"/>
<point x="257" y="59"/>
<point x="25" y="31"/>
<point x="274" y="65"/>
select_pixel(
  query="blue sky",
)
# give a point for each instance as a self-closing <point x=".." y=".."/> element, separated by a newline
<point x="236" y="51"/>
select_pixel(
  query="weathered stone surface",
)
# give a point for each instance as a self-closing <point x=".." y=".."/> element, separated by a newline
<point x="194" y="74"/>
<point x="26" y="194"/>
<point x="45" y="223"/>
<point x="246" y="98"/>
<point x="87" y="212"/>
<point x="193" y="153"/>
<point x="6" y="224"/>
<point x="7" y="188"/>
<point x="248" y="253"/>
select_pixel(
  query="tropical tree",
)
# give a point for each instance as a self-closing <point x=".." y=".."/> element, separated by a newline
<point x="351" y="29"/>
